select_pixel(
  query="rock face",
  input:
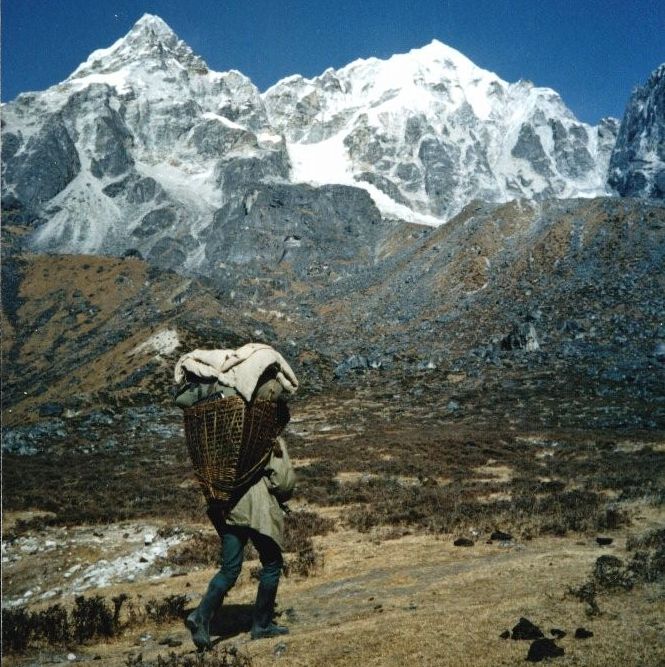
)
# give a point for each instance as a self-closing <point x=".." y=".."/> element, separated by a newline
<point x="431" y="131"/>
<point x="137" y="149"/>
<point x="298" y="226"/>
<point x="144" y="150"/>
<point x="637" y="166"/>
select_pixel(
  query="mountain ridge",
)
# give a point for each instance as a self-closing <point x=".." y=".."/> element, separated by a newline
<point x="438" y="95"/>
<point x="154" y="149"/>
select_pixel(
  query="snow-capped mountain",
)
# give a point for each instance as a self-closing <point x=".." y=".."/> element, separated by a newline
<point x="428" y="131"/>
<point x="637" y="167"/>
<point x="143" y="147"/>
<point x="138" y="148"/>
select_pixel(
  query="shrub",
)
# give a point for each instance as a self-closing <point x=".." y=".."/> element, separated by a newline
<point x="226" y="656"/>
<point x="52" y="624"/>
<point x="612" y="518"/>
<point x="648" y="563"/>
<point x="316" y="482"/>
<point x="652" y="539"/>
<point x="306" y="562"/>
<point x="91" y="617"/>
<point x="118" y="601"/>
<point x="569" y="510"/>
<point x="168" y="609"/>
<point x="16" y="629"/>
<point x="609" y="572"/>
<point x="200" y="549"/>
<point x="300" y="526"/>
<point x="587" y="593"/>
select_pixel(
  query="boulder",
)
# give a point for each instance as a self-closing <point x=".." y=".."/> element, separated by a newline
<point x="542" y="649"/>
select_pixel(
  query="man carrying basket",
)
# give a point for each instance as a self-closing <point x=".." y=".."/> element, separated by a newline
<point x="234" y="412"/>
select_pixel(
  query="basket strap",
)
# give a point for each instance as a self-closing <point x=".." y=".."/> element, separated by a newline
<point x="252" y="471"/>
<point x="241" y="482"/>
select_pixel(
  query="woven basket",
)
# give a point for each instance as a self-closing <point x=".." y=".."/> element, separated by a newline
<point x="229" y="441"/>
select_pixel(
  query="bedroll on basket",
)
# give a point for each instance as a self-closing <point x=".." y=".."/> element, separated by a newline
<point x="229" y="441"/>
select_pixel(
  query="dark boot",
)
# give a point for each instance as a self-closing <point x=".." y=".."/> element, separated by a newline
<point x="264" y="609"/>
<point x="198" y="622"/>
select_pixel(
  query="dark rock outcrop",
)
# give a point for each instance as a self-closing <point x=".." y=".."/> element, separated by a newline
<point x="637" y="165"/>
<point x="48" y="162"/>
<point x="583" y="633"/>
<point x="542" y="649"/>
<point x="525" y="629"/>
<point x="300" y="226"/>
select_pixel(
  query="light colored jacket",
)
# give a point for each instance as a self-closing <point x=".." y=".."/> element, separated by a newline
<point x="259" y="508"/>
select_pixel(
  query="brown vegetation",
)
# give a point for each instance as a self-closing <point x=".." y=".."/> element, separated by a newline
<point x="391" y="505"/>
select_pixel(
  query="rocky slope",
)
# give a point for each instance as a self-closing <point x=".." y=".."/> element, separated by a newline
<point x="637" y="167"/>
<point x="144" y="148"/>
<point x="559" y="303"/>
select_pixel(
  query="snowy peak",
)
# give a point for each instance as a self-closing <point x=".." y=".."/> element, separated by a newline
<point x="157" y="154"/>
<point x="429" y="130"/>
<point x="151" y="33"/>
<point x="150" y="40"/>
<point x="440" y="61"/>
<point x="137" y="149"/>
<point x="152" y="25"/>
<point x="438" y="51"/>
<point x="371" y="82"/>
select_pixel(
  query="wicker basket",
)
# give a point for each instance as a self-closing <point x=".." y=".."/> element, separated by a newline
<point x="229" y="441"/>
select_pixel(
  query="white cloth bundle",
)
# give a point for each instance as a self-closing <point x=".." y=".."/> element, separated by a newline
<point x="240" y="369"/>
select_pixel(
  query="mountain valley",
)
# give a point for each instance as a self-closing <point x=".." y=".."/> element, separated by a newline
<point x="467" y="281"/>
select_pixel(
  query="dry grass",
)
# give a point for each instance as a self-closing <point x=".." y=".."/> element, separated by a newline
<point x="419" y="600"/>
<point x="379" y="509"/>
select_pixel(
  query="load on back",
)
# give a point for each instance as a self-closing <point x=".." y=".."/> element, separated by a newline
<point x="234" y="409"/>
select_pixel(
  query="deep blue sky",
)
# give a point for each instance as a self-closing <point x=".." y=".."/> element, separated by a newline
<point x="593" y="52"/>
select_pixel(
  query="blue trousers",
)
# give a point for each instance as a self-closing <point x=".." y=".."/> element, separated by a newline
<point x="234" y="539"/>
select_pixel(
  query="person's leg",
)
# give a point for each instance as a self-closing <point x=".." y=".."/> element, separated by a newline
<point x="198" y="622"/>
<point x="272" y="562"/>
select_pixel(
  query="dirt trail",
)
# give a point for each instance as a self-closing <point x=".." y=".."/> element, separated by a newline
<point x="416" y="600"/>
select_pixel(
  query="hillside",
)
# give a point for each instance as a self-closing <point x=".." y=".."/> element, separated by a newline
<point x="580" y="280"/>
